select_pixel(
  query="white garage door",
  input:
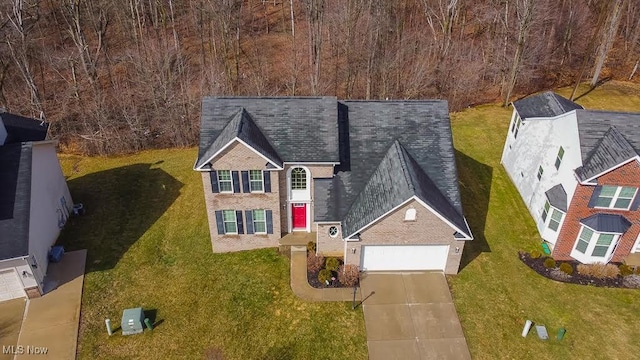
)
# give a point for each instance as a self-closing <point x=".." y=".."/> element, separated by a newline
<point x="10" y="285"/>
<point x="404" y="257"/>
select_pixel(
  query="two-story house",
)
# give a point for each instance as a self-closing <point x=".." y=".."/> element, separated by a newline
<point x="375" y="180"/>
<point x="578" y="172"/>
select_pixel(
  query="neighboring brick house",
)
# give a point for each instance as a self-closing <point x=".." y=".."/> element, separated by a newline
<point x="375" y="180"/>
<point x="578" y="172"/>
<point x="34" y="204"/>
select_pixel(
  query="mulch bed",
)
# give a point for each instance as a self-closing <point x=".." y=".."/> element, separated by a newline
<point x="312" y="277"/>
<point x="555" y="274"/>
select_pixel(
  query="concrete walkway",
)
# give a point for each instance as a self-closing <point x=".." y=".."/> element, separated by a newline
<point x="11" y="314"/>
<point x="300" y="284"/>
<point x="51" y="321"/>
<point x="411" y="316"/>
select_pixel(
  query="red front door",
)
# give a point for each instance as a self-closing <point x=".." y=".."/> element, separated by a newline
<point x="299" y="216"/>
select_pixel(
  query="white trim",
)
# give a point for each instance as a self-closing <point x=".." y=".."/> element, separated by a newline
<point x="253" y="220"/>
<point x="588" y="181"/>
<point x="230" y="180"/>
<point x="467" y="237"/>
<point x="243" y="143"/>
<point x="585" y="258"/>
<point x="235" y="221"/>
<point x="545" y="118"/>
<point x="310" y="163"/>
<point x="261" y="180"/>
<point x="337" y="233"/>
<point x="327" y="222"/>
<point x="635" y="245"/>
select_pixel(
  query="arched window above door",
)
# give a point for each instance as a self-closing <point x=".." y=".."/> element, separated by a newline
<point x="298" y="179"/>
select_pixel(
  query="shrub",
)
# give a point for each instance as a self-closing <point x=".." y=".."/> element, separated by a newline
<point x="637" y="270"/>
<point x="599" y="270"/>
<point x="625" y="270"/>
<point x="535" y="254"/>
<point x="311" y="246"/>
<point x="332" y="264"/>
<point x="315" y="263"/>
<point x="566" y="268"/>
<point x="348" y="275"/>
<point x="549" y="263"/>
<point x="324" y="275"/>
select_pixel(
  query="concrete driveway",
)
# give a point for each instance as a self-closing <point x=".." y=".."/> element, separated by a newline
<point x="11" y="313"/>
<point x="411" y="316"/>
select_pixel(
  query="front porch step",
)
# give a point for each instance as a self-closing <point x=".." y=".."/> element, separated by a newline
<point x="298" y="248"/>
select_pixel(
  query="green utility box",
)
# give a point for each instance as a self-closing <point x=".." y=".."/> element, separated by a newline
<point x="132" y="320"/>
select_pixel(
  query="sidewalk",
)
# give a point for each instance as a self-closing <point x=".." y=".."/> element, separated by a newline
<point x="303" y="290"/>
<point x="51" y="323"/>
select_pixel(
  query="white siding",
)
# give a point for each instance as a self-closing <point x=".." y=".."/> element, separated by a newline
<point x="537" y="144"/>
<point x="48" y="187"/>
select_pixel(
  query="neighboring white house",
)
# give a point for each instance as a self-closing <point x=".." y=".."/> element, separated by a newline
<point x="34" y="205"/>
<point x="541" y="151"/>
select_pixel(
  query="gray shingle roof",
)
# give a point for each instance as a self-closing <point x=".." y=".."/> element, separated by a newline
<point x="243" y="127"/>
<point x="611" y="150"/>
<point x="544" y="105"/>
<point x="358" y="134"/>
<point x="612" y="223"/>
<point x="20" y="128"/>
<point x="397" y="178"/>
<point x="301" y="129"/>
<point x="593" y="125"/>
<point x="557" y="197"/>
<point x="15" y="199"/>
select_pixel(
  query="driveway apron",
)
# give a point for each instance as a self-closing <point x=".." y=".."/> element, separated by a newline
<point x="411" y="316"/>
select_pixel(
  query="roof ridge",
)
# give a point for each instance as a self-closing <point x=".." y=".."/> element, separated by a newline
<point x="404" y="164"/>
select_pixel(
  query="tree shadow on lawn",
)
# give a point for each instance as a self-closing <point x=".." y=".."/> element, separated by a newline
<point x="475" y="189"/>
<point x="120" y="205"/>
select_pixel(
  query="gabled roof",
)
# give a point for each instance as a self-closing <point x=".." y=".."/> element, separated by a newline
<point x="610" y="223"/>
<point x="300" y="129"/>
<point x="557" y="197"/>
<point x="20" y="128"/>
<point x="545" y="105"/>
<point x="593" y="125"/>
<point x="612" y="149"/>
<point x="397" y="178"/>
<point x="15" y="199"/>
<point x="242" y="127"/>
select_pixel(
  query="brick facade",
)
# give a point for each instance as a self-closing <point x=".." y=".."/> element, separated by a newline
<point x="327" y="245"/>
<point x="427" y="229"/>
<point x="240" y="158"/>
<point x="626" y="175"/>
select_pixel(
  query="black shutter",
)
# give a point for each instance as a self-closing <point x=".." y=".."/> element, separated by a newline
<point x="269" y="216"/>
<point x="245" y="181"/>
<point x="239" y="222"/>
<point x="595" y="196"/>
<point x="236" y="181"/>
<point x="248" y="214"/>
<point x="267" y="181"/>
<point x="219" y="222"/>
<point x="636" y="202"/>
<point x="214" y="181"/>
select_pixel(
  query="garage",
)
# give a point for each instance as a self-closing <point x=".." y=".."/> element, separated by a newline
<point x="10" y="285"/>
<point x="404" y="257"/>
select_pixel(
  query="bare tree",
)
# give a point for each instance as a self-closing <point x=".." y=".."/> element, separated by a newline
<point x="607" y="38"/>
<point x="525" y="11"/>
<point x="314" y="10"/>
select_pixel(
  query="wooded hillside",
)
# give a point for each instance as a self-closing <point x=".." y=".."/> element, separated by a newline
<point x="123" y="75"/>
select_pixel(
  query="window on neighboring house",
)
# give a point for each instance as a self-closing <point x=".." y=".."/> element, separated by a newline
<point x="556" y="217"/>
<point x="516" y="126"/>
<point x="616" y="197"/>
<point x="259" y="222"/>
<point x="298" y="179"/>
<point x="255" y="181"/>
<point x="224" y="181"/>
<point x="559" y="157"/>
<point x="229" y="219"/>
<point x="545" y="210"/>
<point x="540" y="172"/>
<point x="595" y="244"/>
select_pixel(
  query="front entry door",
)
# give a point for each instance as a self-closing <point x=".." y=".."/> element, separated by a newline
<point x="299" y="216"/>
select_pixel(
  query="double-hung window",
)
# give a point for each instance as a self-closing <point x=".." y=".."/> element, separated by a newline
<point x="256" y="181"/>
<point x="225" y="181"/>
<point x="556" y="216"/>
<point x="592" y="246"/>
<point x="516" y="126"/>
<point x="540" y="172"/>
<point x="229" y="220"/>
<point x="559" y="157"/>
<point x="259" y="222"/>
<point x="616" y="197"/>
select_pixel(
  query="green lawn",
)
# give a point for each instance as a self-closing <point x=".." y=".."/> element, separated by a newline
<point x="148" y="241"/>
<point x="495" y="293"/>
<point x="149" y="246"/>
